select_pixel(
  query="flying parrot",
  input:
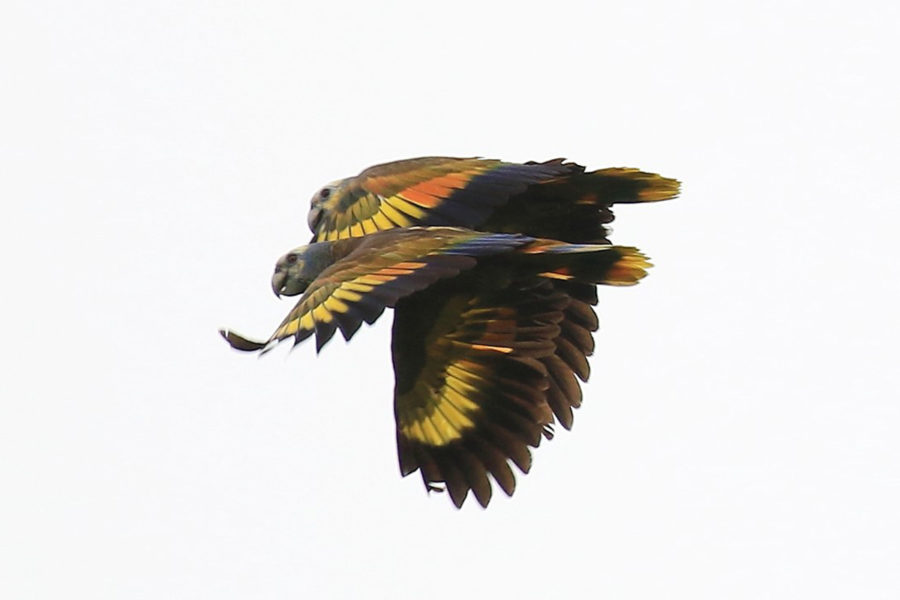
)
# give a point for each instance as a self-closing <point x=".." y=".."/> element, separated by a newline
<point x="476" y="341"/>
<point x="553" y="199"/>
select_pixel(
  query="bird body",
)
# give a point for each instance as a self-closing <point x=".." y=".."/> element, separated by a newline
<point x="553" y="199"/>
<point x="492" y="270"/>
<point x="475" y="337"/>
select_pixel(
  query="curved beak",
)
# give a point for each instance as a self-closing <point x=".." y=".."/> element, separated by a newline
<point x="313" y="217"/>
<point x="278" y="281"/>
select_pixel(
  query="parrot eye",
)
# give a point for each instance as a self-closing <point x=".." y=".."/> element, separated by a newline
<point x="291" y="258"/>
<point x="325" y="193"/>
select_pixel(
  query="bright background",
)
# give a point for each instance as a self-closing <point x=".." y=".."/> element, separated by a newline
<point x="739" y="436"/>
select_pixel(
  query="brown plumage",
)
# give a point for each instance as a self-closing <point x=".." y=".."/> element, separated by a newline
<point x="554" y="199"/>
<point x="487" y="340"/>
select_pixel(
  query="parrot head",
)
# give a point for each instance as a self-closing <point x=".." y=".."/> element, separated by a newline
<point x="322" y="203"/>
<point x="298" y="268"/>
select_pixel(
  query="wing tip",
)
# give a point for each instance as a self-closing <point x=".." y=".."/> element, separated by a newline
<point x="239" y="342"/>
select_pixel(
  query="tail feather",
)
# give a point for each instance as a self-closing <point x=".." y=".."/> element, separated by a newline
<point x="590" y="263"/>
<point x="630" y="268"/>
<point x="576" y="207"/>
<point x="622" y="185"/>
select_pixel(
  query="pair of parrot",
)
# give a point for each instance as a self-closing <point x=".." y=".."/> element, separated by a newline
<point x="492" y="270"/>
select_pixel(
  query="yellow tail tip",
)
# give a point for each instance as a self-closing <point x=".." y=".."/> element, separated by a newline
<point x="650" y="187"/>
<point x="659" y="188"/>
<point x="629" y="269"/>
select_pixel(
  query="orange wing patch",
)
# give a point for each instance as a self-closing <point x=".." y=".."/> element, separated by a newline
<point x="399" y="194"/>
<point x="433" y="192"/>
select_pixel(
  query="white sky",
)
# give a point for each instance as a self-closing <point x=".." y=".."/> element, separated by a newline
<point x="739" y="436"/>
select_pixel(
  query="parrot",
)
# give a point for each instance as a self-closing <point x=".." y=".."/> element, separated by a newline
<point x="485" y="341"/>
<point x="554" y="199"/>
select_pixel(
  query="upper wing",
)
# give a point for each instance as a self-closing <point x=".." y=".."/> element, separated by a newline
<point x="380" y="271"/>
<point x="553" y="199"/>
<point x="460" y="192"/>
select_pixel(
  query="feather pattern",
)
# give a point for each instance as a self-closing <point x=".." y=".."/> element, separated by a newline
<point x="553" y="199"/>
<point x="487" y="343"/>
<point x="492" y="330"/>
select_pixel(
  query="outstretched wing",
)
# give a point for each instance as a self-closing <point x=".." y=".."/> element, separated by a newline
<point x="433" y="190"/>
<point x="574" y="344"/>
<point x="483" y="364"/>
<point x="553" y="199"/>
<point x="471" y="384"/>
<point x="381" y="270"/>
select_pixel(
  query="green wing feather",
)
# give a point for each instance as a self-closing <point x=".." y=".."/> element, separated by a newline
<point x="379" y="271"/>
<point x="483" y="362"/>
<point x="490" y="338"/>
<point x="554" y="199"/>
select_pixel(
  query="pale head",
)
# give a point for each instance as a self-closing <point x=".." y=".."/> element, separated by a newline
<point x="319" y="203"/>
<point x="298" y="268"/>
